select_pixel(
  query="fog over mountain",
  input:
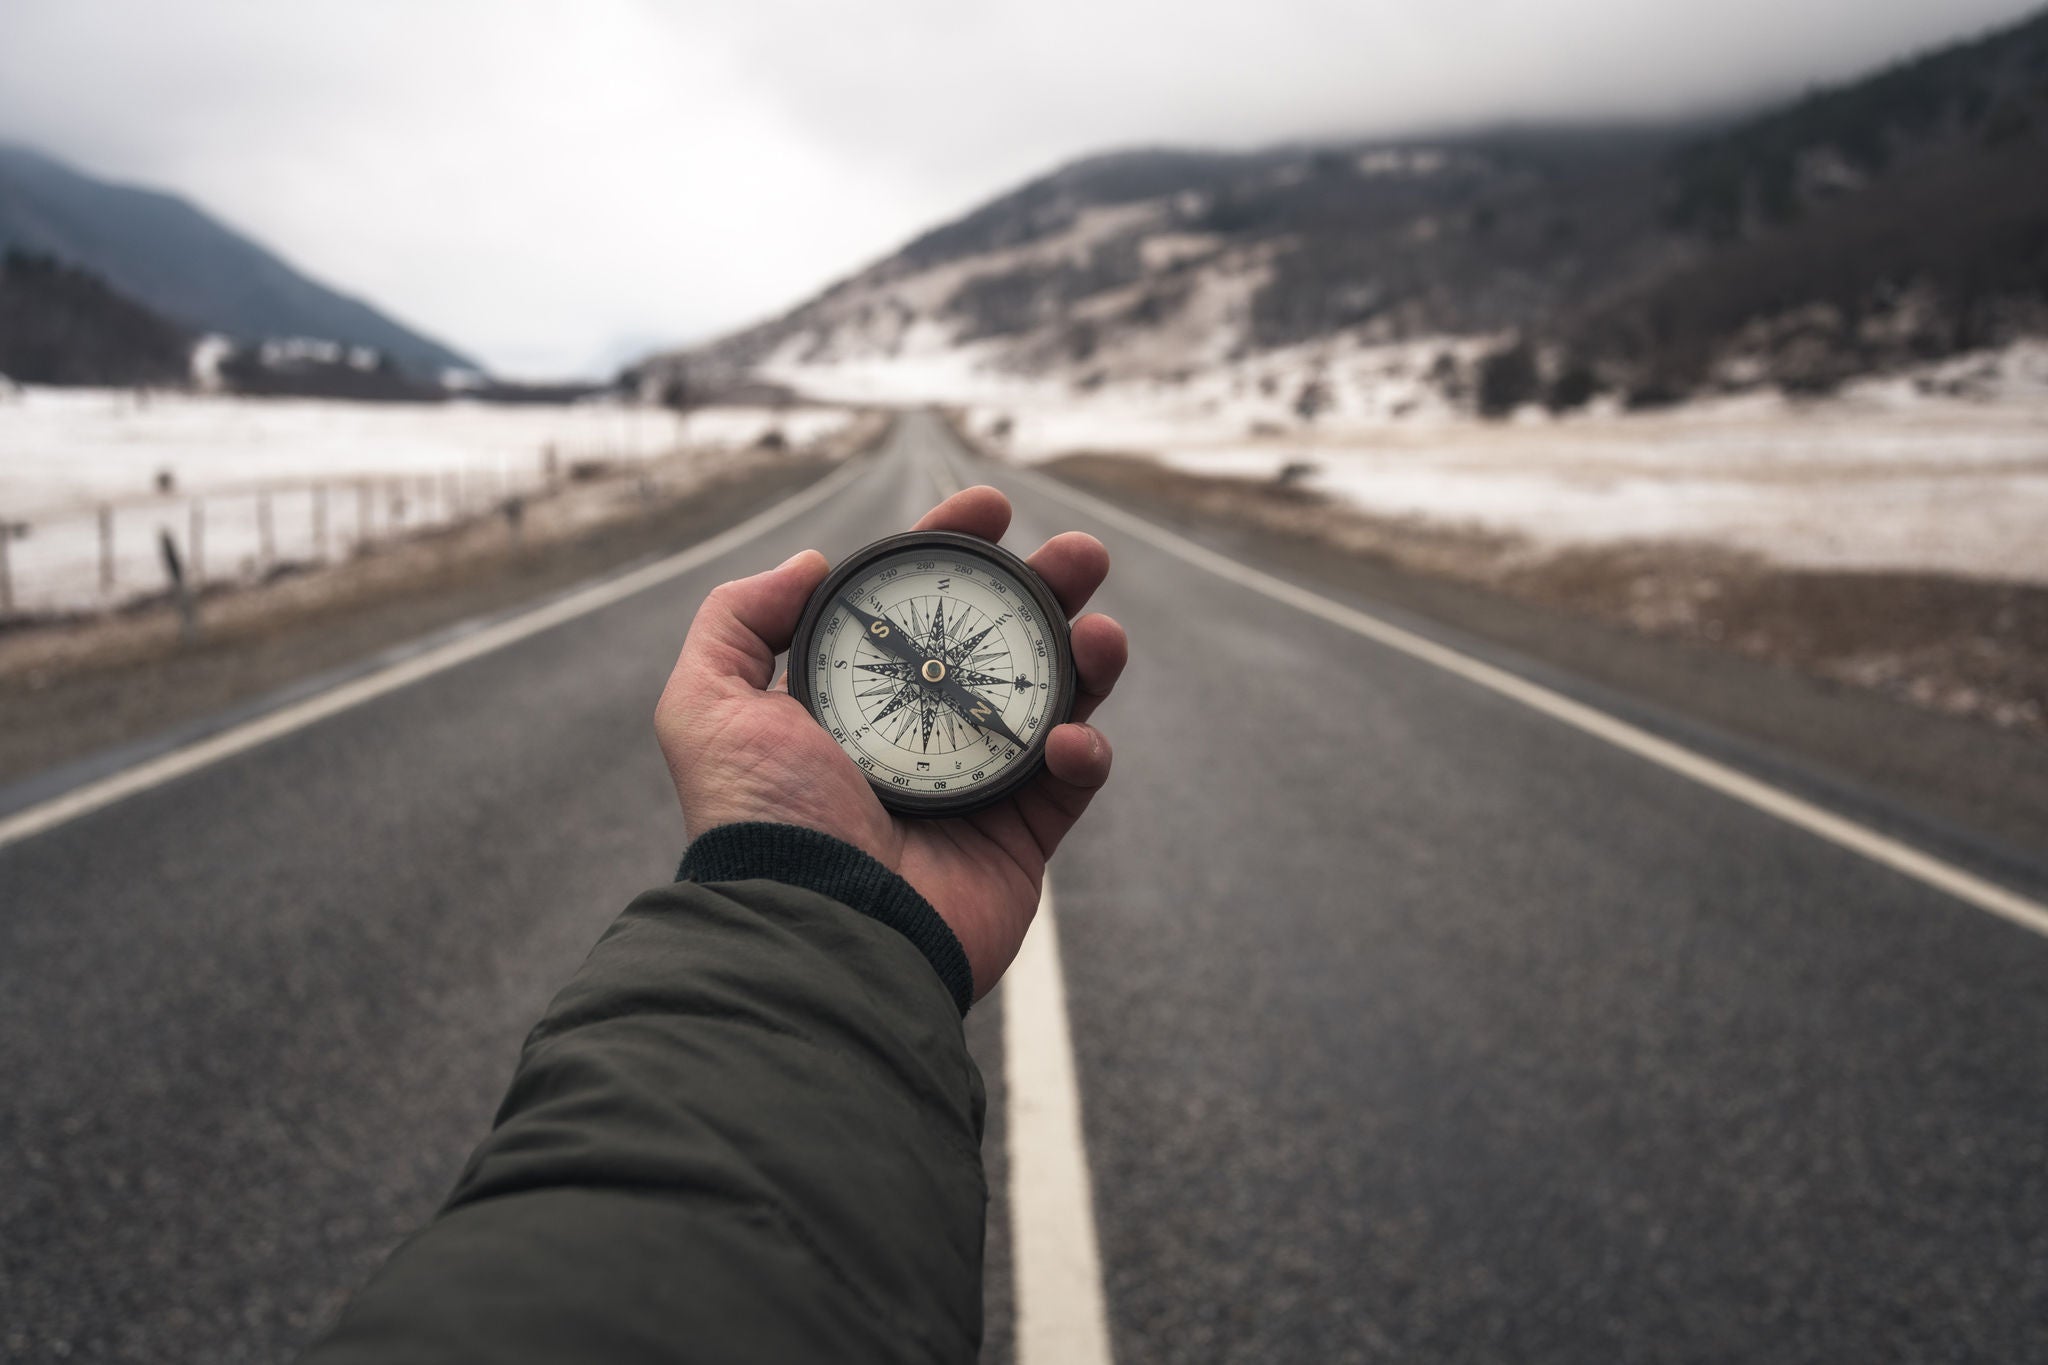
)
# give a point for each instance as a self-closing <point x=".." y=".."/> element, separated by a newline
<point x="553" y="188"/>
<point x="1899" y="217"/>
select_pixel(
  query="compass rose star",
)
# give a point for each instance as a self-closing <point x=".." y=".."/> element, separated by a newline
<point x="904" y="696"/>
<point x="962" y="648"/>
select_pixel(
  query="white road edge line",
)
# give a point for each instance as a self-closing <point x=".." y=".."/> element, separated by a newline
<point x="1061" y="1317"/>
<point x="237" y="739"/>
<point x="1879" y="848"/>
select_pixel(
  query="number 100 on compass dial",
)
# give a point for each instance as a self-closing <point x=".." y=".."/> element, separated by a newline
<point x="939" y="663"/>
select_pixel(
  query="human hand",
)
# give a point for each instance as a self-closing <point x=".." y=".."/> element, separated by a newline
<point x="740" y="749"/>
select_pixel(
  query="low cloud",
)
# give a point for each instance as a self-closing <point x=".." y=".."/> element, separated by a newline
<point x="551" y="185"/>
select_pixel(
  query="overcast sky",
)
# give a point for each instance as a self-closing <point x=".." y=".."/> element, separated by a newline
<point x="555" y="185"/>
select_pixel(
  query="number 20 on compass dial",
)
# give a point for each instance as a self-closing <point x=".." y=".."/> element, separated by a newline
<point x="939" y="662"/>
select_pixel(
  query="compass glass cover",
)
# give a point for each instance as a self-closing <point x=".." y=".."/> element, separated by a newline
<point x="936" y="671"/>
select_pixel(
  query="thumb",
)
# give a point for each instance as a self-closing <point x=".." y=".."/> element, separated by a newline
<point x="744" y="624"/>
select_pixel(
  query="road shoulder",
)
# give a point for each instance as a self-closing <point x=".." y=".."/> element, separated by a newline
<point x="71" y="709"/>
<point x="1970" y="780"/>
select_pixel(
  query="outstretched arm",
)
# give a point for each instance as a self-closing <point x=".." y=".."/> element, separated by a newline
<point x="749" y="1128"/>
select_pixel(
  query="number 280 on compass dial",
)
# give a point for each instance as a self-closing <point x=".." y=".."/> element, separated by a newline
<point x="939" y="662"/>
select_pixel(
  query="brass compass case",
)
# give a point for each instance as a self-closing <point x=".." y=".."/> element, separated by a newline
<point x="939" y="663"/>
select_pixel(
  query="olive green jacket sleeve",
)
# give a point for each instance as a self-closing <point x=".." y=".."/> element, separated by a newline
<point x="747" y="1130"/>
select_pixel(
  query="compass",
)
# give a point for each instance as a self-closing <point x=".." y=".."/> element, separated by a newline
<point x="939" y="662"/>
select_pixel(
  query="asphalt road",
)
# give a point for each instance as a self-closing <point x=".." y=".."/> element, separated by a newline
<point x="1409" y="1023"/>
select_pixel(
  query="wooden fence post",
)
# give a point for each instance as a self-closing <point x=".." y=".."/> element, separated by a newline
<point x="196" y="542"/>
<point x="320" y="521"/>
<point x="106" y="549"/>
<point x="266" y="532"/>
<point x="6" y="572"/>
<point x="362" y="513"/>
<point x="188" y="615"/>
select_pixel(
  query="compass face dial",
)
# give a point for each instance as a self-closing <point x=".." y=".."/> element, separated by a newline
<point x="939" y="663"/>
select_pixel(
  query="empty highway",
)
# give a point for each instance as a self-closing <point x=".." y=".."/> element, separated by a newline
<point x="1411" y="1018"/>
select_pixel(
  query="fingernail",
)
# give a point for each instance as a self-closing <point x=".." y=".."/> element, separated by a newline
<point x="791" y="561"/>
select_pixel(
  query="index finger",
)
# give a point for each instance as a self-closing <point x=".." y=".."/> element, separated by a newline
<point x="978" y="511"/>
<point x="1073" y="564"/>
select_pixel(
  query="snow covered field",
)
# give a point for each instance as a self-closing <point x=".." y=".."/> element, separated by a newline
<point x="62" y="448"/>
<point x="1945" y="470"/>
<point x="1953" y="489"/>
<point x="323" y="474"/>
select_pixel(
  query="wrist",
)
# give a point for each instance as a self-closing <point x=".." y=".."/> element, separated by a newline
<point x="798" y="856"/>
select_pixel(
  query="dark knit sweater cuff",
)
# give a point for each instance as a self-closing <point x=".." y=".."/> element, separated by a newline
<point x="801" y="857"/>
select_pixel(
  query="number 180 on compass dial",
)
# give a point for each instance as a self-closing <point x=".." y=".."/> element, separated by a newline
<point x="939" y="662"/>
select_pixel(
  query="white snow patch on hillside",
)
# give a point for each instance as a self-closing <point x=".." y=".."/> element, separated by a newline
<point x="926" y="374"/>
<point x="901" y="318"/>
<point x="1356" y="390"/>
<point x="1165" y="250"/>
<point x="1402" y="161"/>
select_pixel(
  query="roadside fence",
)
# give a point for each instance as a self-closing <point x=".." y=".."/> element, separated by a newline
<point x="101" y="556"/>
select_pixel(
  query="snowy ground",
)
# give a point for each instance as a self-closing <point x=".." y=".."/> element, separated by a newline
<point x="1945" y="470"/>
<point x="1952" y="488"/>
<point x="324" y="474"/>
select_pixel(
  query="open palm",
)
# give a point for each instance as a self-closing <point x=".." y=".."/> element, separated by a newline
<point x="740" y="749"/>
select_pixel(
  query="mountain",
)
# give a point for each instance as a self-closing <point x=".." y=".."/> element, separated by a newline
<point x="61" y="325"/>
<point x="178" y="261"/>
<point x="1899" y="217"/>
<point x="1903" y="217"/>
